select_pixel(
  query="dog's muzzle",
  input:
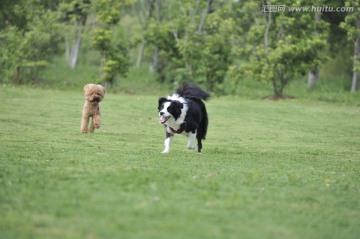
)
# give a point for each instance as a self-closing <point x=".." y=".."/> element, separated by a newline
<point x="95" y="101"/>
<point x="163" y="118"/>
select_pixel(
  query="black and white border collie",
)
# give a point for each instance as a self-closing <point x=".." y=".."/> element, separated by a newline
<point x="184" y="113"/>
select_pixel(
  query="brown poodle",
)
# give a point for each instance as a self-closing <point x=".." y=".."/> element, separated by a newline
<point x="93" y="95"/>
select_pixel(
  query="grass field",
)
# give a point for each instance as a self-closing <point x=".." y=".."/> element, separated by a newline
<point x="285" y="169"/>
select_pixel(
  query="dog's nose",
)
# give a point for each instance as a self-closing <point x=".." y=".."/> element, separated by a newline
<point x="161" y="113"/>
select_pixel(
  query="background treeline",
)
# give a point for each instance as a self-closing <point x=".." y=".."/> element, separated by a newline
<point x="216" y="43"/>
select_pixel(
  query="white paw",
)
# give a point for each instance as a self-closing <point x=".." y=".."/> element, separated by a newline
<point x="165" y="151"/>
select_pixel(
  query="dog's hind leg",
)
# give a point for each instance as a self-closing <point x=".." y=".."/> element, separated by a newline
<point x="199" y="138"/>
<point x="167" y="142"/>
<point x="199" y="145"/>
<point x="97" y="121"/>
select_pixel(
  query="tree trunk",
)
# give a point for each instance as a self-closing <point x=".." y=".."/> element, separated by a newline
<point x="72" y="59"/>
<point x="148" y="13"/>
<point x="313" y="77"/>
<point x="75" y="51"/>
<point x="140" y="54"/>
<point x="268" y="20"/>
<point x="277" y="89"/>
<point x="355" y="77"/>
<point x="67" y="48"/>
<point x="354" y="82"/>
<point x="204" y="14"/>
<point x="313" y="74"/>
<point x="155" y="62"/>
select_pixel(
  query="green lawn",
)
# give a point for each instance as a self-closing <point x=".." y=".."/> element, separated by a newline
<point x="285" y="169"/>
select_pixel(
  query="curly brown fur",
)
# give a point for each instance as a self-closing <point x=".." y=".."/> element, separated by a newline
<point x="94" y="94"/>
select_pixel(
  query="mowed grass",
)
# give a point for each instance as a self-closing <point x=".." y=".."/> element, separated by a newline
<point x="285" y="169"/>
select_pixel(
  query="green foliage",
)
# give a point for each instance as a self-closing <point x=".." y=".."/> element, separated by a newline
<point x="57" y="74"/>
<point x="160" y="36"/>
<point x="281" y="46"/>
<point x="194" y="45"/>
<point x="349" y="24"/>
<point x="74" y="9"/>
<point x="285" y="170"/>
<point x="214" y="43"/>
<point x="101" y="39"/>
<point x="112" y="48"/>
<point x="26" y="48"/>
<point x="352" y="26"/>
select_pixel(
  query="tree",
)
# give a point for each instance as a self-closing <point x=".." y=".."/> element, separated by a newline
<point x="145" y="10"/>
<point x="75" y="13"/>
<point x="280" y="46"/>
<point x="313" y="74"/>
<point x="28" y="38"/>
<point x="352" y="26"/>
<point x="194" y="44"/>
<point x="112" y="45"/>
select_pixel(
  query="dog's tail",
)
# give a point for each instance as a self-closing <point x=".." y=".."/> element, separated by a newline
<point x="190" y="90"/>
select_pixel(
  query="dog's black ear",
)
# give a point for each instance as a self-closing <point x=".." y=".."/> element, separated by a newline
<point x="161" y="101"/>
<point x="178" y="104"/>
<point x="175" y="109"/>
